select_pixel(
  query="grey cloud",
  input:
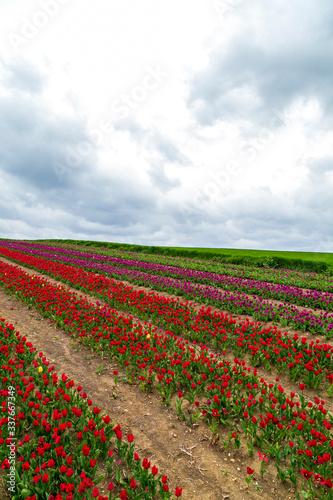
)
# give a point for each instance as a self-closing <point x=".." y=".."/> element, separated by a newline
<point x="168" y="149"/>
<point x="33" y="139"/>
<point x="320" y="167"/>
<point x="248" y="76"/>
<point x="22" y="75"/>
<point x="261" y="219"/>
<point x="88" y="204"/>
<point x="153" y="139"/>
<point x="80" y="201"/>
<point x="112" y="202"/>
<point x="159" y="178"/>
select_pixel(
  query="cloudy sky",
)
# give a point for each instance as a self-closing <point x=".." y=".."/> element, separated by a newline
<point x="191" y="123"/>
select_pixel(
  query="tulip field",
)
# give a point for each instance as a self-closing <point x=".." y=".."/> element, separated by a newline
<point x="241" y="354"/>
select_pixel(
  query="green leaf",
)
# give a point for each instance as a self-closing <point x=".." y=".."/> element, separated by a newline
<point x="249" y="447"/>
<point x="95" y="455"/>
<point x="109" y="467"/>
<point x="99" y="369"/>
<point x="99" y="478"/>
<point x="25" y="493"/>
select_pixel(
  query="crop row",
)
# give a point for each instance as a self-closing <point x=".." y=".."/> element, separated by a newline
<point x="43" y="416"/>
<point x="295" y="433"/>
<point x="310" y="361"/>
<point x="288" y="293"/>
<point x="283" y="276"/>
<point x="238" y="303"/>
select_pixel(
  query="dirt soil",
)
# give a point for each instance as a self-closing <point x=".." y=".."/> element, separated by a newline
<point x="184" y="453"/>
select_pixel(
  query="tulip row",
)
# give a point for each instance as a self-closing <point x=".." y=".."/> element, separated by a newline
<point x="314" y="281"/>
<point x="288" y="293"/>
<point x="238" y="303"/>
<point x="296" y="433"/>
<point x="312" y="362"/>
<point x="45" y="415"/>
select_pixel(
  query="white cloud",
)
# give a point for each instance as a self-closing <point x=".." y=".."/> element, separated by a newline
<point x="228" y="146"/>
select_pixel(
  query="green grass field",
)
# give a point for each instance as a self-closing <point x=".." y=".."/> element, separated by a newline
<point x="314" y="256"/>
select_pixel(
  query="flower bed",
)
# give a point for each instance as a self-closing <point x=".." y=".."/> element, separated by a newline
<point x="295" y="432"/>
<point x="52" y="438"/>
<point x="239" y="303"/>
<point x="308" y="280"/>
<point x="283" y="292"/>
<point x="312" y="362"/>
